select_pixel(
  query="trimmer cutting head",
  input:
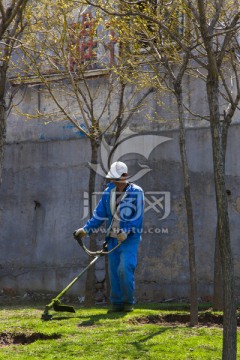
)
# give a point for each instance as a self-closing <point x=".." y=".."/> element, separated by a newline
<point x="46" y="316"/>
<point x="61" y="307"/>
<point x="57" y="306"/>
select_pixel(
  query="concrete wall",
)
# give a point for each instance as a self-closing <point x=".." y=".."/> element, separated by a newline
<point x="42" y="201"/>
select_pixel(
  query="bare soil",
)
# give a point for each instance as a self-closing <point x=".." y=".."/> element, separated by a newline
<point x="7" y="338"/>
<point x="204" y="319"/>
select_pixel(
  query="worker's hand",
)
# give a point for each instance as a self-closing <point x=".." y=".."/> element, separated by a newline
<point x="121" y="236"/>
<point x="79" y="233"/>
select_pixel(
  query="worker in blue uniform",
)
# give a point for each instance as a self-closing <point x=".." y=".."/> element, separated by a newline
<point x="122" y="206"/>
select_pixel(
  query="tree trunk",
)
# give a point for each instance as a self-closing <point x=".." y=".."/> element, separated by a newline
<point x="218" y="282"/>
<point x="2" y="117"/>
<point x="189" y="210"/>
<point x="2" y="135"/>
<point x="230" y="319"/>
<point x="219" y="137"/>
<point x="90" y="289"/>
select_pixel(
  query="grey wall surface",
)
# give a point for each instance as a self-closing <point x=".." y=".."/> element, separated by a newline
<point x="42" y="196"/>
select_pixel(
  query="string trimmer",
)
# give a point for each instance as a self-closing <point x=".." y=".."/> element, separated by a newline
<point x="56" y="303"/>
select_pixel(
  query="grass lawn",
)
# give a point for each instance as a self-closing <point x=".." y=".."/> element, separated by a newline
<point x="92" y="333"/>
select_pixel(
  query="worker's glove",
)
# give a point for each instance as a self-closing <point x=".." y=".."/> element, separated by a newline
<point x="121" y="236"/>
<point x="79" y="233"/>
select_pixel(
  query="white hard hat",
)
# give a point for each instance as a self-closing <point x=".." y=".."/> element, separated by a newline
<point x="116" y="170"/>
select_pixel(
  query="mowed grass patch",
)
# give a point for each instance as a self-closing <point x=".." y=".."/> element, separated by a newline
<point x="92" y="333"/>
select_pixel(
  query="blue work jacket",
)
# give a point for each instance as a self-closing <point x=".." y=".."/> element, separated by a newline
<point x="130" y="212"/>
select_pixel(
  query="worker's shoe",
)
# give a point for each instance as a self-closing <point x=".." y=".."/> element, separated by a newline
<point x="115" y="308"/>
<point x="128" y="307"/>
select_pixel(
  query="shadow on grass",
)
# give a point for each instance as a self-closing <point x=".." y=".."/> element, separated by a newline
<point x="90" y="320"/>
<point x="141" y="343"/>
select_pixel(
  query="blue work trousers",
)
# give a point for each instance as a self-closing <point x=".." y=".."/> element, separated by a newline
<point x="122" y="264"/>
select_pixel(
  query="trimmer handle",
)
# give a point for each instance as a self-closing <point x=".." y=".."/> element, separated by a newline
<point x="78" y="238"/>
<point x="102" y="252"/>
<point x="105" y="246"/>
